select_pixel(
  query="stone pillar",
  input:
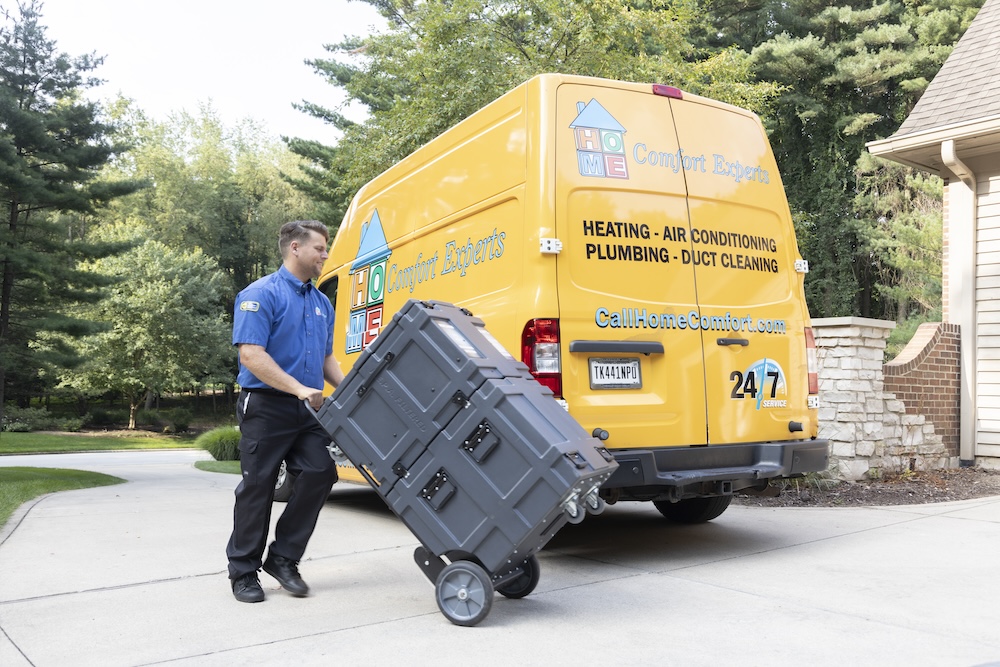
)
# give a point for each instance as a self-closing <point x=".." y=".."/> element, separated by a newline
<point x="852" y="408"/>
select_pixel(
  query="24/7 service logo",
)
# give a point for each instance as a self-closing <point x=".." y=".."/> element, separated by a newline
<point x="762" y="381"/>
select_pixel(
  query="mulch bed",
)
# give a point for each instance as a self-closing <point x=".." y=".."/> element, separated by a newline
<point x="912" y="488"/>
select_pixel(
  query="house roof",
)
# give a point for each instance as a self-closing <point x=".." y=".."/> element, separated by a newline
<point x="968" y="85"/>
<point x="961" y="103"/>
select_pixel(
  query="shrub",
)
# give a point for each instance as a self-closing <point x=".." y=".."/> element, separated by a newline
<point x="105" y="417"/>
<point x="222" y="443"/>
<point x="180" y="419"/>
<point x="148" y="418"/>
<point x="11" y="425"/>
<point x="72" y="424"/>
<point x="22" y="420"/>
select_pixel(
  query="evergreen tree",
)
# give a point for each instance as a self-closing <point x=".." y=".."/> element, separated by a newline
<point x="904" y="239"/>
<point x="850" y="71"/>
<point x="52" y="145"/>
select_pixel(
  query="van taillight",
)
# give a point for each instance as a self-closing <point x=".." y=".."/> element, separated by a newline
<point x="812" y="363"/>
<point x="540" y="351"/>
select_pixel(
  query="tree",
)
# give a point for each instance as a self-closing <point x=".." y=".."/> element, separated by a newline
<point x="217" y="189"/>
<point x="850" y="72"/>
<point x="166" y="328"/>
<point x="52" y="146"/>
<point x="440" y="61"/>
<point x="905" y="242"/>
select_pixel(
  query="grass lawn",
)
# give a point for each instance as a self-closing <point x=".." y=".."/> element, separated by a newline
<point x="61" y="443"/>
<point x="232" y="467"/>
<point x="19" y="485"/>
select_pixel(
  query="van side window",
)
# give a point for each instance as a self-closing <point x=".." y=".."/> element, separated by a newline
<point x="329" y="288"/>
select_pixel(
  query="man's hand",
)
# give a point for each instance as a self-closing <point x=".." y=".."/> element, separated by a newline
<point x="314" y="397"/>
<point x="260" y="363"/>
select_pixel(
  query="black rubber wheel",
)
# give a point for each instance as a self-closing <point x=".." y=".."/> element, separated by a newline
<point x="524" y="584"/>
<point x="693" y="510"/>
<point x="283" y="485"/>
<point x="464" y="593"/>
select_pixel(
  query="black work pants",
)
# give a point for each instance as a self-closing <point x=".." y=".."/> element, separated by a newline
<point x="276" y="428"/>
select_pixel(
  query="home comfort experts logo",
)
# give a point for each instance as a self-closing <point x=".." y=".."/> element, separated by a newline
<point x="600" y="142"/>
<point x="368" y="286"/>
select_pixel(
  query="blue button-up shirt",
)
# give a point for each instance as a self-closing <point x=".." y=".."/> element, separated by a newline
<point x="291" y="320"/>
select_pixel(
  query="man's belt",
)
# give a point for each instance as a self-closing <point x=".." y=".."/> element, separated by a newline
<point x="268" y="391"/>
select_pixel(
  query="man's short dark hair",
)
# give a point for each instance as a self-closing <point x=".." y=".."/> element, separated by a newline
<point x="298" y="230"/>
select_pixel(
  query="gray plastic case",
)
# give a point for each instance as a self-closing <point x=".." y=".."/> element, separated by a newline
<point x="495" y="481"/>
<point x="409" y="383"/>
<point x="475" y="456"/>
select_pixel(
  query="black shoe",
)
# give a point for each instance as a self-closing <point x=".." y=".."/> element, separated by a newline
<point x="247" y="588"/>
<point x="286" y="571"/>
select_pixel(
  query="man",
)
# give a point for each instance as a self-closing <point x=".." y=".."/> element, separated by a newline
<point x="284" y="329"/>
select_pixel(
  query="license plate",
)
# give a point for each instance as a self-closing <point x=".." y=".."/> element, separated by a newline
<point x="615" y="374"/>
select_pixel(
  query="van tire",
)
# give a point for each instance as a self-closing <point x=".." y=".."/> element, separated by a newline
<point x="693" y="510"/>
<point x="283" y="485"/>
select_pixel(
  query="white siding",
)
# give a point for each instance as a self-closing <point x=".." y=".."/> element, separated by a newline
<point x="989" y="365"/>
<point x="989" y="378"/>
<point x="989" y="234"/>
<point x="988" y="315"/>
<point x="991" y="414"/>
<point x="987" y="318"/>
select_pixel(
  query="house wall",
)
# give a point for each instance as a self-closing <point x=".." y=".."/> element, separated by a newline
<point x="987" y="412"/>
<point x="946" y="314"/>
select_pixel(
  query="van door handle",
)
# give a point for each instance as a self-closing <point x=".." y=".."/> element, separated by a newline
<point x="742" y="342"/>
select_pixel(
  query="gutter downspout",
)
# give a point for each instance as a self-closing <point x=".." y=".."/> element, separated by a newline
<point x="962" y="219"/>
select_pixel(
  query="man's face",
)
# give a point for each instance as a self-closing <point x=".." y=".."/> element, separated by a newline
<point x="309" y="256"/>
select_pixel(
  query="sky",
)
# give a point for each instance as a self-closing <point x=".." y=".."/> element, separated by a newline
<point x="244" y="57"/>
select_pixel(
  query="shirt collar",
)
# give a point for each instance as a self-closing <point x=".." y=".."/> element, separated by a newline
<point x="296" y="284"/>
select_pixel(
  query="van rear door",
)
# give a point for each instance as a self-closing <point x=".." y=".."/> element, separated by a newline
<point x="631" y="365"/>
<point x="743" y="254"/>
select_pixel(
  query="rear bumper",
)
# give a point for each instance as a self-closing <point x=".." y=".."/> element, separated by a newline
<point x="713" y="470"/>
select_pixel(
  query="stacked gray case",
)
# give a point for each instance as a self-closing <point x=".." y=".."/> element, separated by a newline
<point x="478" y="459"/>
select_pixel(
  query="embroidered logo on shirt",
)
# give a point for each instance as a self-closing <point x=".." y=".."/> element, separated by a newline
<point x="319" y="313"/>
<point x="249" y="306"/>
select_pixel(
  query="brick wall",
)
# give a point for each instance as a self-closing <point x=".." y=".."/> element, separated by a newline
<point x="925" y="377"/>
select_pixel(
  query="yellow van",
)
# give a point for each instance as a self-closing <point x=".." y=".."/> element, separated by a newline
<point x="632" y="244"/>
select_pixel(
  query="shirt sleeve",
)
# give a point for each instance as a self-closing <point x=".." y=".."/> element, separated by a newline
<point x="252" y="317"/>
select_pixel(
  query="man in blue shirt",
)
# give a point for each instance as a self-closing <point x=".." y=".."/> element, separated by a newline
<point x="284" y="329"/>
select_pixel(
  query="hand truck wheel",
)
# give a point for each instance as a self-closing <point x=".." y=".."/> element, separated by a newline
<point x="464" y="593"/>
<point x="524" y="584"/>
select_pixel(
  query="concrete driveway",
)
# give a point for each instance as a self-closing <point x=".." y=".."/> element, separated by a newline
<point x="134" y="574"/>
